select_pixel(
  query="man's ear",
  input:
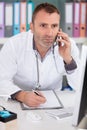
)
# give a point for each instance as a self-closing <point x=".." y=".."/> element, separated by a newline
<point x="31" y="27"/>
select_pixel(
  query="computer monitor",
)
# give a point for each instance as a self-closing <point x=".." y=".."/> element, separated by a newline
<point x="80" y="111"/>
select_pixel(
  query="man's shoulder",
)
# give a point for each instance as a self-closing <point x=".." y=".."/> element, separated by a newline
<point x="73" y="43"/>
<point x="20" y="41"/>
<point x="72" y="40"/>
<point x="22" y="36"/>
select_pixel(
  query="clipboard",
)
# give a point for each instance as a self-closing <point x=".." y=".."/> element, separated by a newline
<point x="53" y="102"/>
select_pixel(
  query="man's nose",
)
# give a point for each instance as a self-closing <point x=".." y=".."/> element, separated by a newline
<point x="49" y="31"/>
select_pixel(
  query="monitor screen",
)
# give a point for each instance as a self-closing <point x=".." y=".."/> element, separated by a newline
<point x="83" y="103"/>
<point x="81" y="98"/>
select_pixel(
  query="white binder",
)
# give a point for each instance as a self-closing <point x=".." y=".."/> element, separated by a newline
<point x="8" y="19"/>
<point x="69" y="18"/>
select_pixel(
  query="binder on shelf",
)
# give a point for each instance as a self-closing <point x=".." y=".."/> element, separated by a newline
<point x="69" y="18"/>
<point x="16" y="18"/>
<point x="22" y="16"/>
<point x="76" y="19"/>
<point x="8" y="19"/>
<point x="1" y="19"/>
<point x="29" y="11"/>
<point x="83" y="19"/>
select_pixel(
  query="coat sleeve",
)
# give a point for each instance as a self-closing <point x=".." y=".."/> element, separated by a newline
<point x="8" y="69"/>
<point x="74" y="77"/>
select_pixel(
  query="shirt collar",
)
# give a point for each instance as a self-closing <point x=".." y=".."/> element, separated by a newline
<point x="34" y="48"/>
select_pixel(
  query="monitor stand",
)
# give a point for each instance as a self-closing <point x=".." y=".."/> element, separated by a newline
<point x="83" y="123"/>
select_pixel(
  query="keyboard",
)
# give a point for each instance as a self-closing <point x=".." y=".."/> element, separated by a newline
<point x="61" y="113"/>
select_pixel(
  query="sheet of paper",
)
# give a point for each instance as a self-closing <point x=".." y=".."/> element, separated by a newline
<point x="4" y="96"/>
<point x="52" y="101"/>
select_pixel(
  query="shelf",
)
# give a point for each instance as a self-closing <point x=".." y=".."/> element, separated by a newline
<point x="77" y="40"/>
<point x="81" y="40"/>
<point x="3" y="40"/>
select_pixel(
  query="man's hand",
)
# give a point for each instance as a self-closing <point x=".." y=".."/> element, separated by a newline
<point x="30" y="98"/>
<point x="65" y="49"/>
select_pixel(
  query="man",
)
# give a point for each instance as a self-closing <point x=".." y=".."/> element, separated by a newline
<point x="38" y="59"/>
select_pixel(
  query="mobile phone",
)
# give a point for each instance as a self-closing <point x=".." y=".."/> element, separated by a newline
<point x="59" y="37"/>
<point x="59" y="43"/>
<point x="6" y="116"/>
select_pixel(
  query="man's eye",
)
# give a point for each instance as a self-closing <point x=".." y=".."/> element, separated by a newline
<point x="42" y="25"/>
<point x="54" y="26"/>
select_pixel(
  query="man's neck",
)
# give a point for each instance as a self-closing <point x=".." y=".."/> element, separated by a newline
<point x="42" y="51"/>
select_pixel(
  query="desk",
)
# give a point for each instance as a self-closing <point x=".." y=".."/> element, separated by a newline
<point x="47" y="123"/>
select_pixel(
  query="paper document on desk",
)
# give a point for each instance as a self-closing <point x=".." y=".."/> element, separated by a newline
<point x="61" y="113"/>
<point x="52" y="102"/>
<point x="4" y="96"/>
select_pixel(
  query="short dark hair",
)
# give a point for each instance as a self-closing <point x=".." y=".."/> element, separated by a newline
<point x="49" y="8"/>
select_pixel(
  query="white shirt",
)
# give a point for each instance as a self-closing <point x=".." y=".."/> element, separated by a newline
<point x="18" y="66"/>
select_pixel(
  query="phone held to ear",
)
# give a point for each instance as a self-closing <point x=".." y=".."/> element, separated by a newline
<point x="57" y="39"/>
<point x="59" y="43"/>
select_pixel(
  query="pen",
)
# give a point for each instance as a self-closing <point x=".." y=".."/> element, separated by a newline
<point x="36" y="92"/>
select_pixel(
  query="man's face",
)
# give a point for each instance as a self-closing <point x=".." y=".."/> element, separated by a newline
<point x="45" y="28"/>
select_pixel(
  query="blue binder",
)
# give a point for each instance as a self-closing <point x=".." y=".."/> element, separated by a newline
<point x="29" y="11"/>
<point x="16" y="18"/>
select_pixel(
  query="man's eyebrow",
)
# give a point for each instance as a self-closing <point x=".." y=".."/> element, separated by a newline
<point x="55" y="24"/>
<point x="48" y="23"/>
<point x="43" y="23"/>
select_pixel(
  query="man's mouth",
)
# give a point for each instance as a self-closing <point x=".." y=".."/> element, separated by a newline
<point x="49" y="40"/>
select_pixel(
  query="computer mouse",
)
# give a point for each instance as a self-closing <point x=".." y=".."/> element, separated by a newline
<point x="33" y="116"/>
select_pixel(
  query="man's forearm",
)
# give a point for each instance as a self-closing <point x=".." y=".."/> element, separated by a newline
<point x="71" y="66"/>
<point x="19" y="96"/>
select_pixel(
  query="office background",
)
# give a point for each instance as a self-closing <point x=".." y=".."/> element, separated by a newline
<point x="60" y="4"/>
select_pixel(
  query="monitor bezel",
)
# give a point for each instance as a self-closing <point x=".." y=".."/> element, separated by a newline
<point x="78" y="102"/>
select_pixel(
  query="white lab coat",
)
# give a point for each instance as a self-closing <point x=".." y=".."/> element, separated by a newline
<point x="18" y="66"/>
